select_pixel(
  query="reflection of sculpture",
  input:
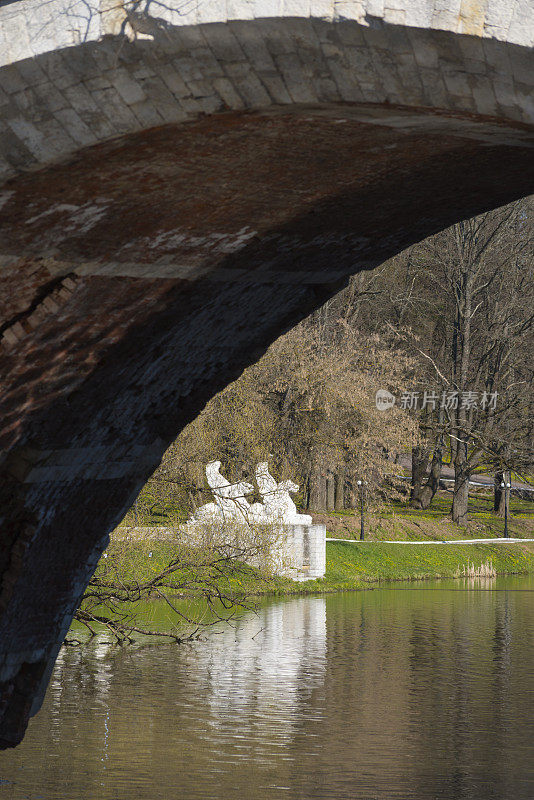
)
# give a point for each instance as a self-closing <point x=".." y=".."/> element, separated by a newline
<point x="231" y="503"/>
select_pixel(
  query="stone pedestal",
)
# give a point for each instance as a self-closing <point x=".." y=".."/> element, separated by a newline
<point x="303" y="552"/>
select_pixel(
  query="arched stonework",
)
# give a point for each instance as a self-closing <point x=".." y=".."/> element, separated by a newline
<point x="172" y="204"/>
<point x="54" y="103"/>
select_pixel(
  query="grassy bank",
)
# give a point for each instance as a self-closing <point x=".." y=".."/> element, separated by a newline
<point x="372" y="563"/>
<point x="354" y="565"/>
<point x="400" y="521"/>
<point x="349" y="566"/>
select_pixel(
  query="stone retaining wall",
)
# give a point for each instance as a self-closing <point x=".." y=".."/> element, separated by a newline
<point x="296" y="551"/>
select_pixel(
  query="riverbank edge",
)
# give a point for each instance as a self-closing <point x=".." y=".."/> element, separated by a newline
<point x="413" y="566"/>
<point x="352" y="566"/>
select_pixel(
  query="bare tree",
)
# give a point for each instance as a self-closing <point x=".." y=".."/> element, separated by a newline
<point x="207" y="574"/>
<point x="308" y="407"/>
<point x="479" y="269"/>
<point x="463" y="303"/>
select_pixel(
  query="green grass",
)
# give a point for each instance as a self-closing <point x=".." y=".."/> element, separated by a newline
<point x="374" y="562"/>
<point x="480" y="503"/>
<point x="138" y="562"/>
<point x="398" y="520"/>
<point x="354" y="566"/>
<point x="349" y="566"/>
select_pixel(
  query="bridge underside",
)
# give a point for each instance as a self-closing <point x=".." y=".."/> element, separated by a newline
<point x="142" y="274"/>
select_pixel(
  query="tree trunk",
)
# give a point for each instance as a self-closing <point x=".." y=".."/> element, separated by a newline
<point x="499" y="496"/>
<point x="461" y="485"/>
<point x="317" y="490"/>
<point x="432" y="485"/>
<point x="453" y="444"/>
<point x="419" y="466"/>
<point x="352" y="496"/>
<point x="311" y="494"/>
<point x="330" y="491"/>
<point x="307" y="492"/>
<point x="340" y="491"/>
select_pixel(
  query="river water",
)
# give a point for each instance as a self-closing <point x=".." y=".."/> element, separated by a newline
<point x="420" y="691"/>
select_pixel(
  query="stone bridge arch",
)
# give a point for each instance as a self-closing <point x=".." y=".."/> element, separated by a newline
<point x="179" y="185"/>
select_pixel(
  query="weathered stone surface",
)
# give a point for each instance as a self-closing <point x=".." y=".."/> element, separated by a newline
<point x="171" y="204"/>
<point x="112" y="86"/>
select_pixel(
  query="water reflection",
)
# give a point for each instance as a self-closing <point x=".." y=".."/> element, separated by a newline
<point x="275" y="659"/>
<point x="422" y="693"/>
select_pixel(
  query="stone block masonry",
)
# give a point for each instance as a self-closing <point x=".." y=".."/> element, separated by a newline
<point x="69" y="80"/>
<point x="298" y="552"/>
<point x="304" y="552"/>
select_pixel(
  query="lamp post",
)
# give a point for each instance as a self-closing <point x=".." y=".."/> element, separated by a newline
<point x="506" y="486"/>
<point x="362" y="525"/>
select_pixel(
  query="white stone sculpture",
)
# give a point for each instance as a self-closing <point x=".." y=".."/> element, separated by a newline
<point x="231" y="503"/>
<point x="278" y="505"/>
<point x="284" y="541"/>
